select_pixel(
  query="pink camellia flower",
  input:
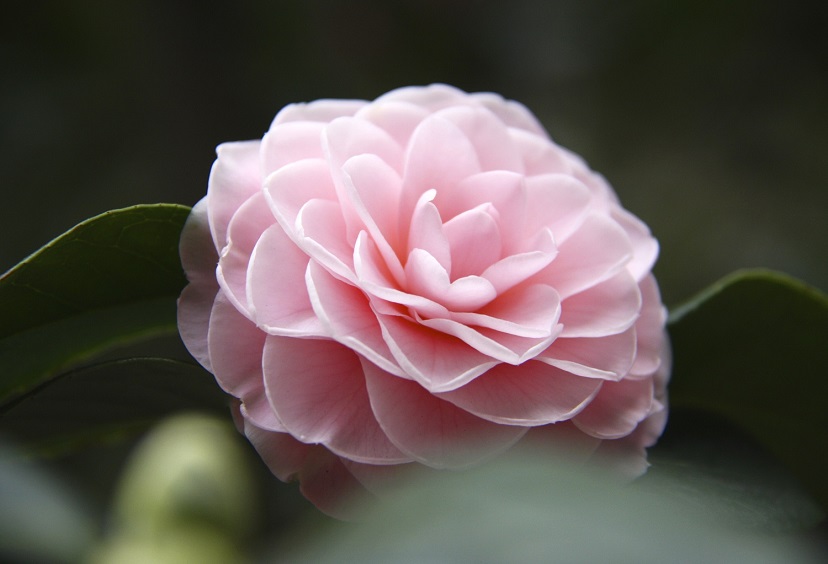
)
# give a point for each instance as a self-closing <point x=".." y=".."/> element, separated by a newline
<point x="425" y="278"/>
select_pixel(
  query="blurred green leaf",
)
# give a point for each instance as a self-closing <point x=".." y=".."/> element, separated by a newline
<point x="108" y="401"/>
<point x="109" y="280"/>
<point x="528" y="507"/>
<point x="753" y="349"/>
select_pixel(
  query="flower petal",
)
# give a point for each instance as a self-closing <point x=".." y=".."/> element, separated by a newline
<point x="594" y="253"/>
<point x="436" y="360"/>
<point x="617" y="409"/>
<point x="346" y="312"/>
<point x="251" y="220"/>
<point x="608" y="308"/>
<point x="431" y="430"/>
<point x="510" y="271"/>
<point x="374" y="189"/>
<point x="319" y="110"/>
<point x="650" y="330"/>
<point x="317" y="388"/>
<point x="474" y="241"/>
<point x="291" y="142"/>
<point x="278" y="296"/>
<point x="426" y="277"/>
<point x="294" y="185"/>
<point x="607" y="358"/>
<point x="491" y="139"/>
<point x="234" y="178"/>
<point x="398" y="119"/>
<point x="558" y="202"/>
<point x="320" y="231"/>
<point x="439" y="156"/>
<point x="540" y="155"/>
<point x="512" y="113"/>
<point x="527" y="312"/>
<point x="236" y="346"/>
<point x="531" y="394"/>
<point x="199" y="259"/>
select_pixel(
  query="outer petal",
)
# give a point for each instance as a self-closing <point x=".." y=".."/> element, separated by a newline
<point x="608" y="308"/>
<point x="531" y="394"/>
<point x="607" y="358"/>
<point x="431" y="430"/>
<point x="318" y="110"/>
<point x="236" y="356"/>
<point x="199" y="258"/>
<point x="491" y="138"/>
<point x="250" y="221"/>
<point x="617" y="410"/>
<point x="234" y="178"/>
<point x="317" y="388"/>
<point x="289" y="143"/>
<point x="276" y="289"/>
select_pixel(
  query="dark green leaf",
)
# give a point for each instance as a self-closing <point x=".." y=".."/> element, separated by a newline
<point x="108" y="401"/>
<point x="119" y="257"/>
<point x="111" y="279"/>
<point x="754" y="350"/>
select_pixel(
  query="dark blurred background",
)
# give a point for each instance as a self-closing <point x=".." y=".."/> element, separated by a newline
<point x="708" y="117"/>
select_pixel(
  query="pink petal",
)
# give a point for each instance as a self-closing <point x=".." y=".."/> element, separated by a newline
<point x="439" y="156"/>
<point x="323" y="478"/>
<point x="504" y="347"/>
<point x="374" y="279"/>
<point x="291" y="142"/>
<point x="433" y="97"/>
<point x="284" y="455"/>
<point x="321" y="233"/>
<point x="513" y="114"/>
<point x="540" y="155"/>
<point x="318" y="110"/>
<point x="503" y="190"/>
<point x="250" y="221"/>
<point x="348" y="137"/>
<point x="276" y="289"/>
<point x="594" y="253"/>
<point x="294" y="185"/>
<point x="490" y="137"/>
<point x="236" y="357"/>
<point x="645" y="247"/>
<point x="526" y="312"/>
<point x="234" y="178"/>
<point x="607" y="358"/>
<point x="196" y="248"/>
<point x="347" y="313"/>
<point x="431" y="430"/>
<point x="374" y="190"/>
<point x="436" y="360"/>
<point x="608" y="308"/>
<point x="317" y="389"/>
<point x="617" y="409"/>
<point x="427" y="277"/>
<point x="531" y="394"/>
<point x="510" y="271"/>
<point x="398" y="119"/>
<point x="650" y="330"/>
<point x="194" y="310"/>
<point x="474" y="241"/>
<point x="426" y="231"/>
<point x="556" y="201"/>
<point x="199" y="258"/>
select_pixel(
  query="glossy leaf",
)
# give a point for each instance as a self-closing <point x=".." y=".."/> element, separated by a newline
<point x="109" y="280"/>
<point x="754" y="349"/>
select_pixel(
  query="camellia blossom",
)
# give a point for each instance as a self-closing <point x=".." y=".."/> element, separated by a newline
<point x="426" y="278"/>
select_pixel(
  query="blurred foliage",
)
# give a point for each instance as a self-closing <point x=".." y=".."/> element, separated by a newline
<point x="707" y="117"/>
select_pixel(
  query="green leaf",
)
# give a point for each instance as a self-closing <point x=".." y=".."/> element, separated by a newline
<point x="109" y="280"/>
<point x="753" y="349"/>
<point x="108" y="401"/>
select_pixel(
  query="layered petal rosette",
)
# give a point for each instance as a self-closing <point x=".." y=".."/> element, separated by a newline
<point x="424" y="278"/>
